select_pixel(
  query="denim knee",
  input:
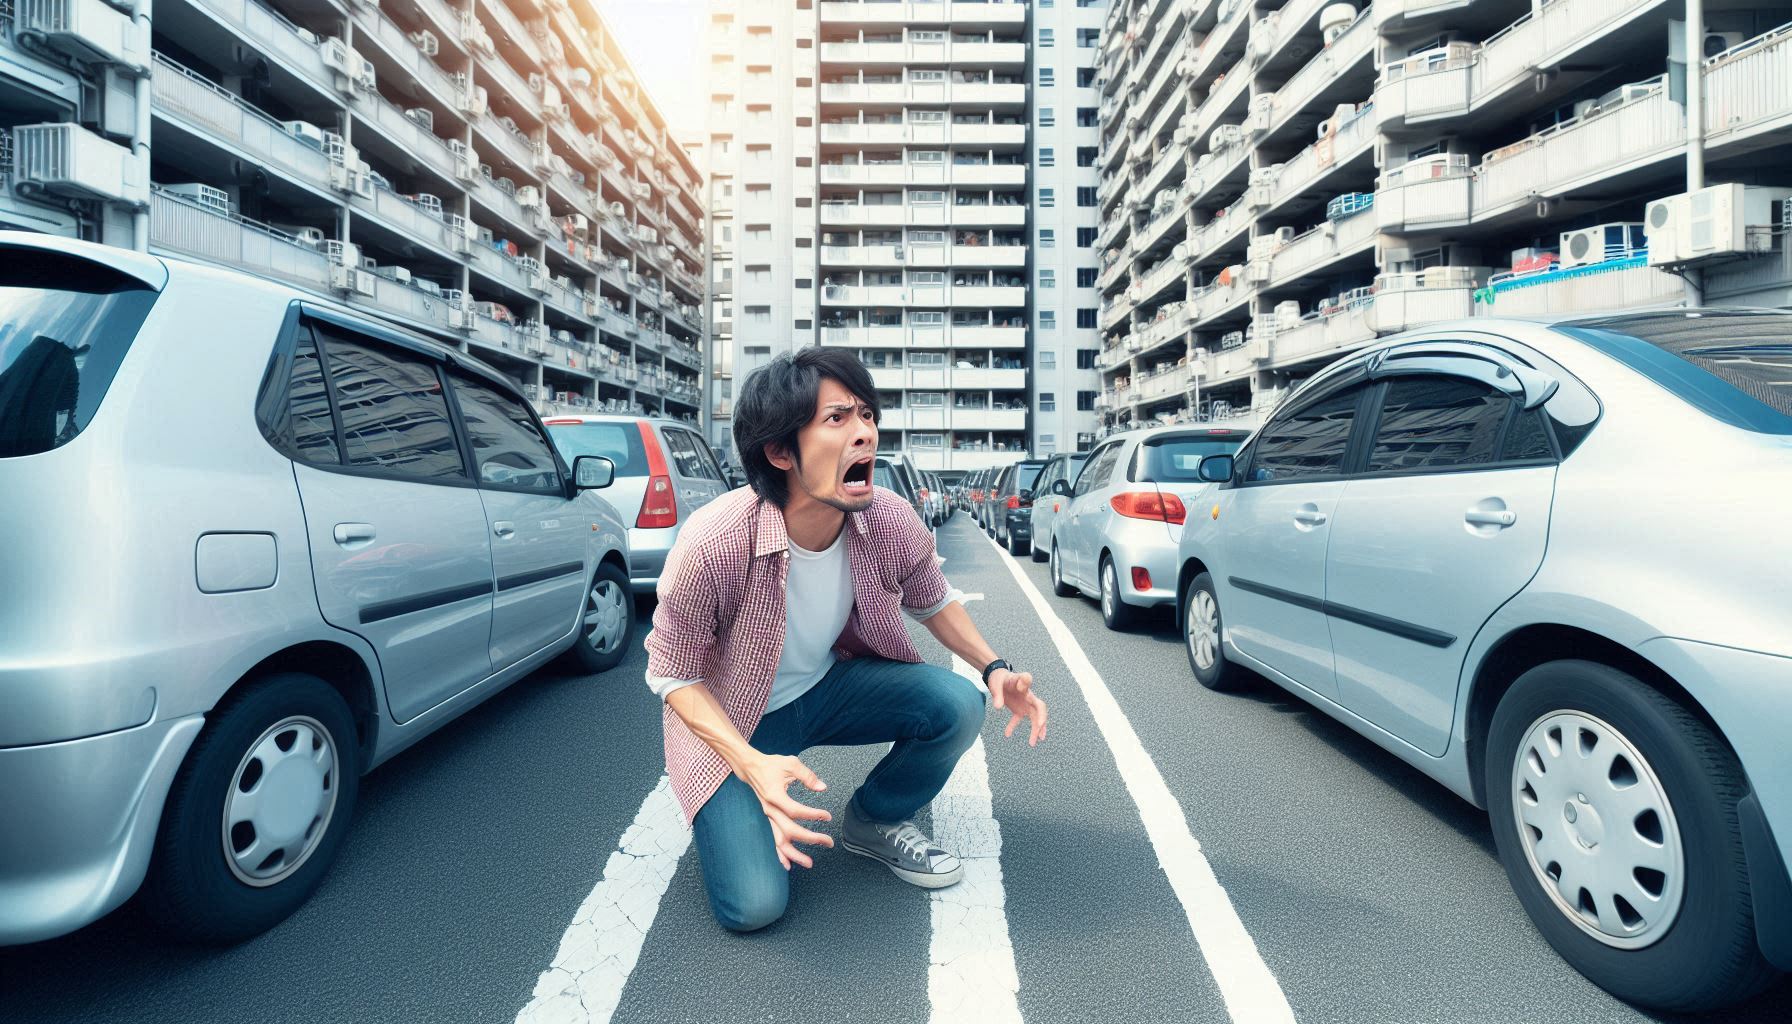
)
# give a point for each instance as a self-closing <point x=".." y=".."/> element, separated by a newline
<point x="750" y="911"/>
<point x="958" y="708"/>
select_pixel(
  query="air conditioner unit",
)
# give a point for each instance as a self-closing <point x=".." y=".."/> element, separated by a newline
<point x="1284" y="235"/>
<point x="581" y="77"/>
<point x="305" y="132"/>
<point x="1225" y="135"/>
<point x="67" y="160"/>
<point x="1263" y="112"/>
<point x="427" y="42"/>
<point x="1287" y="314"/>
<point x="352" y="280"/>
<point x="1257" y="272"/>
<point x="335" y="55"/>
<point x="460" y="233"/>
<point x="466" y="164"/>
<point x="214" y="199"/>
<point x="87" y="30"/>
<point x="1718" y="42"/>
<point x="423" y="116"/>
<point x="579" y="226"/>
<point x="528" y="197"/>
<point x="401" y="275"/>
<point x="1599" y="244"/>
<point x="311" y="238"/>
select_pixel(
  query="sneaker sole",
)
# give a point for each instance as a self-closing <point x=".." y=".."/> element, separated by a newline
<point x="938" y="880"/>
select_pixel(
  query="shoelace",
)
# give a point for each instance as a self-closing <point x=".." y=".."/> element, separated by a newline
<point x="910" y="840"/>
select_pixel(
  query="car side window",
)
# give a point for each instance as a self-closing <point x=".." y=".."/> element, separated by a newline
<point x="1436" y="421"/>
<point x="684" y="454"/>
<point x="391" y="409"/>
<point x="703" y="460"/>
<point x="1309" y="441"/>
<point x="1096" y="470"/>
<point x="310" y="428"/>
<point x="508" y="448"/>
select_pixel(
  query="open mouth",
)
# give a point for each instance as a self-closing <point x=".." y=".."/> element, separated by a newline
<point x="858" y="478"/>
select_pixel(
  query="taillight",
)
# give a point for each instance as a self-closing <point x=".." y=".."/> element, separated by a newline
<point x="1166" y="508"/>
<point x="924" y="495"/>
<point x="1014" y="501"/>
<point x="1141" y="578"/>
<point x="659" y="506"/>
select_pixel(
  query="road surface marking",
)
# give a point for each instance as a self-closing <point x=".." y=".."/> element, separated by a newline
<point x="1245" y="982"/>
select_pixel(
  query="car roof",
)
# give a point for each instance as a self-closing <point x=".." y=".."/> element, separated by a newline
<point x="140" y="266"/>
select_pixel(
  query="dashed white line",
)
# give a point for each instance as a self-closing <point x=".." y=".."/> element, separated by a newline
<point x="971" y="977"/>
<point x="600" y="947"/>
<point x="1250" y="991"/>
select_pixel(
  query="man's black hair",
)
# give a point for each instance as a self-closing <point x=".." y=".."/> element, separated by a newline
<point x="778" y="399"/>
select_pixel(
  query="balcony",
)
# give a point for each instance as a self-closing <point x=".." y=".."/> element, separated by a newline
<point x="413" y="304"/>
<point x="980" y="378"/>
<point x="515" y="146"/>
<point x="863" y="295"/>
<point x="396" y="42"/>
<point x="1620" y="285"/>
<point x="863" y="256"/>
<point x="1424" y="194"/>
<point x="986" y="296"/>
<point x="516" y="38"/>
<point x="981" y="215"/>
<point x="186" y="229"/>
<point x="500" y="267"/>
<point x="414" y="139"/>
<point x="1331" y="240"/>
<point x="1577" y="152"/>
<point x="1745" y="90"/>
<point x="1213" y="367"/>
<point x="1325" y="68"/>
<point x="989" y="174"/>
<point x="220" y="115"/>
<point x="989" y="419"/>
<point x="1115" y="313"/>
<point x="270" y="35"/>
<point x="1420" y="297"/>
<point x="893" y="173"/>
<point x="1169" y="382"/>
<point x="1169" y="272"/>
<point x="987" y="337"/>
<point x="848" y="214"/>
<point x="408" y="219"/>
<point x="988" y="255"/>
<point x="989" y="54"/>
<point x="1313" y="164"/>
<point x="1398" y="12"/>
<point x="500" y="75"/>
<point x="1317" y="335"/>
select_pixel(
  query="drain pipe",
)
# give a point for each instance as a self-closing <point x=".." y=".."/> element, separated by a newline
<point x="140" y="14"/>
<point x="1695" y="125"/>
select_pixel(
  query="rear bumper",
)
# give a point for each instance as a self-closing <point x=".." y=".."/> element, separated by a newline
<point x="1019" y="524"/>
<point x="1145" y="545"/>
<point x="647" y="550"/>
<point x="77" y="820"/>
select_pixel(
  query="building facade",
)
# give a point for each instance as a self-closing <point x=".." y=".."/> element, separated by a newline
<point x="1281" y="185"/>
<point x="487" y="172"/>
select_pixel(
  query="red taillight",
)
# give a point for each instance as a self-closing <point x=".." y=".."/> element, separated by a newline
<point x="1141" y="578"/>
<point x="1014" y="501"/>
<point x="924" y="495"/>
<point x="659" y="506"/>
<point x="562" y="421"/>
<point x="1150" y="505"/>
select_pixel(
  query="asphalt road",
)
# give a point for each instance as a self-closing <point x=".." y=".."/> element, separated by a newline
<point x="1369" y="892"/>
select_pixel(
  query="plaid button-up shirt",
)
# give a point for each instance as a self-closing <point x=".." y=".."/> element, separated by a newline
<point x="721" y="612"/>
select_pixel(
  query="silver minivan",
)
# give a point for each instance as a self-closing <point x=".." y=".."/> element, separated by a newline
<point x="256" y="544"/>
<point x="1547" y="566"/>
<point x="664" y="472"/>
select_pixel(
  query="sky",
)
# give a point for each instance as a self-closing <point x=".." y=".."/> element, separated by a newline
<point x="664" y="43"/>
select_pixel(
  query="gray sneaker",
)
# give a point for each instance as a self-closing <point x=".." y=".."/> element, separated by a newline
<point x="902" y="848"/>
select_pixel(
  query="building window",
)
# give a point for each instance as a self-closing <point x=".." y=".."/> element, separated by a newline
<point x="1048" y="278"/>
<point x="805" y="282"/>
<point x="804" y="44"/>
<point x="1048" y="198"/>
<point x="805" y="122"/>
<point x="1048" y="321"/>
<point x="805" y="161"/>
<point x="1085" y="77"/>
<point x="1045" y="37"/>
<point x="1085" y="237"/>
<point x="1085" y="319"/>
<point x="1048" y="443"/>
<point x="1048" y="238"/>
<point x="1085" y="358"/>
<point x="1047" y="158"/>
<point x="1085" y="37"/>
<point x="804" y="243"/>
<point x="1085" y="277"/>
<point x="1047" y="78"/>
<point x="804" y="83"/>
<point x="805" y="325"/>
<point x="1085" y="156"/>
<point x="1086" y="117"/>
<point x="1048" y="402"/>
<point x="925" y="441"/>
<point x="1086" y="195"/>
<point x="1085" y="401"/>
<point x="1047" y="119"/>
<point x="805" y="201"/>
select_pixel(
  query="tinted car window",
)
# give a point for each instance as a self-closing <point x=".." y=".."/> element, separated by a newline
<point x="618" y="442"/>
<point x="1310" y="441"/>
<point x="1096" y="473"/>
<point x="1176" y="459"/>
<point x="1028" y="474"/>
<point x="310" y="429"/>
<point x="391" y="408"/>
<point x="1734" y="366"/>
<point x="65" y="325"/>
<point x="508" y="449"/>
<point x="1438" y="422"/>
<point x="1527" y="438"/>
<point x="687" y="454"/>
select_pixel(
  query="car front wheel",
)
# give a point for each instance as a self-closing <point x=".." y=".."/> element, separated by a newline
<point x="1614" y="812"/>
<point x="607" y="624"/>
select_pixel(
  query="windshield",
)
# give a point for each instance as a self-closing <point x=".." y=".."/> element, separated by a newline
<point x="618" y="442"/>
<point x="1177" y="460"/>
<point x="1734" y="366"/>
<point x="65" y="326"/>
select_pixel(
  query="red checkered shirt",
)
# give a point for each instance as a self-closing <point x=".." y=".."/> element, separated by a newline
<point x="721" y="612"/>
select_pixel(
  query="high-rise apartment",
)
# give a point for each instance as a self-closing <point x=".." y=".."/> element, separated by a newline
<point x="487" y="172"/>
<point x="1281" y="185"/>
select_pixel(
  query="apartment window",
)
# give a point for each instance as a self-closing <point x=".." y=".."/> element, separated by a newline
<point x="1048" y="402"/>
<point x="1047" y="77"/>
<point x="1048" y="443"/>
<point x="804" y="44"/>
<point x="926" y="156"/>
<point x="1046" y="37"/>
<point x="927" y="117"/>
<point x="927" y="359"/>
<point x="926" y="75"/>
<point x="805" y="122"/>
<point x="1048" y="321"/>
<point x="1085" y="319"/>
<point x="1085" y="156"/>
<point x="1085" y="195"/>
<point x="805" y="161"/>
<point x="1085" y="277"/>
<point x="759" y="315"/>
<point x="1048" y="278"/>
<point x="1085" y="401"/>
<point x="1085" y="358"/>
<point x="1085" y="37"/>
<point x="1086" y="117"/>
<point x="926" y="36"/>
<point x="926" y="197"/>
<point x="804" y="83"/>
<point x="805" y="202"/>
<point x="1047" y="118"/>
<point x="926" y="399"/>
<point x="927" y="318"/>
<point x="759" y="186"/>
<point x="805" y="325"/>
<point x="805" y="282"/>
<point x="925" y="441"/>
<point x="804" y="243"/>
<point x="927" y="237"/>
<point x="1085" y="237"/>
<point x="1047" y="158"/>
<point x="1048" y="198"/>
<point x="1048" y="238"/>
<point x="1085" y="77"/>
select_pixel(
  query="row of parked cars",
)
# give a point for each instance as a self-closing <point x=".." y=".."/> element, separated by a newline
<point x="261" y="543"/>
<point x="1541" y="562"/>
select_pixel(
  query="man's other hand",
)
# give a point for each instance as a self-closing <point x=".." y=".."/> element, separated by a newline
<point x="770" y="776"/>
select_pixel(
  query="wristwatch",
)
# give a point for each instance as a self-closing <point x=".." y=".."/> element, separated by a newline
<point x="991" y="667"/>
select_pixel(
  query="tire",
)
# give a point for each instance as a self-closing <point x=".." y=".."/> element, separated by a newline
<point x="588" y="654"/>
<point x="1037" y="553"/>
<point x="1201" y="631"/>
<point x="194" y="890"/>
<point x="1116" y="613"/>
<point x="1697" y="951"/>
<point x="1059" y="587"/>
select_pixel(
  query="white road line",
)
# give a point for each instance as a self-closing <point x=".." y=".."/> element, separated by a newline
<point x="970" y="975"/>
<point x="600" y="947"/>
<point x="1245" y="982"/>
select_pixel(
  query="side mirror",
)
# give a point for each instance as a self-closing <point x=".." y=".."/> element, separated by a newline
<point x="591" y="472"/>
<point x="1216" y="469"/>
<point x="1061" y="487"/>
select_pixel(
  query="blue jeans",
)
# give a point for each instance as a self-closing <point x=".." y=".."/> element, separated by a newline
<point x="931" y="714"/>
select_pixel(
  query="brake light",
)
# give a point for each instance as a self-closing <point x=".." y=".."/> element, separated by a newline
<point x="1166" y="508"/>
<point x="659" y="506"/>
<point x="562" y="421"/>
<point x="1014" y="501"/>
<point x="1141" y="578"/>
<point x="924" y="495"/>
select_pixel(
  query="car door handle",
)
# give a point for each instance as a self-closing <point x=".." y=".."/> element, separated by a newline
<point x="354" y="533"/>
<point x="1309" y="517"/>
<point x="1482" y="517"/>
<point x="503" y="528"/>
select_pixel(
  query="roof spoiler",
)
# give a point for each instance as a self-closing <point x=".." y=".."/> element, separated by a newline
<point x="129" y="262"/>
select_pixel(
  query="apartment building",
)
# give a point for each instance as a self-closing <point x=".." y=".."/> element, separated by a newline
<point x="487" y="172"/>
<point x="1066" y="137"/>
<point x="1283" y="184"/>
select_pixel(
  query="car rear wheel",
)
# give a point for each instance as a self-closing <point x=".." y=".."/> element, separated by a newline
<point x="1038" y="555"/>
<point x="1117" y="614"/>
<point x="608" y="623"/>
<point x="1201" y="636"/>
<point x="1059" y="587"/>
<point x="257" y="811"/>
<point x="1614" y="812"/>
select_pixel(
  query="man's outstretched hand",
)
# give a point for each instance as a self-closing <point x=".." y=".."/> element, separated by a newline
<point x="770" y="775"/>
<point x="1014" y="692"/>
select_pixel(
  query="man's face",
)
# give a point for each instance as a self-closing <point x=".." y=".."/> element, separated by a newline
<point x="837" y="448"/>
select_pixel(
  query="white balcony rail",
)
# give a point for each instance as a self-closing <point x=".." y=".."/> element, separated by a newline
<point x="179" y="225"/>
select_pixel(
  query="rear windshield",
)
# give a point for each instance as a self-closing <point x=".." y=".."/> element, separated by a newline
<point x="1176" y="460"/>
<point x="618" y="442"/>
<point x="1028" y="474"/>
<point x="1734" y="366"/>
<point x="65" y="325"/>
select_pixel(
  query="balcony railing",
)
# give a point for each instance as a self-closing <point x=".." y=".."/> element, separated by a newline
<point x="1329" y="241"/>
<point x="397" y="43"/>
<point x="1559" y="158"/>
<point x="1746" y="87"/>
<point x="1330" y="152"/>
<point x="222" y="115"/>
<point x="1616" y="285"/>
<point x="271" y="35"/>
<point x="1419" y="297"/>
<point x="179" y="226"/>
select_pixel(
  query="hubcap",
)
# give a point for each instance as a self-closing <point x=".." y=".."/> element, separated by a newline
<point x="1203" y="630"/>
<point x="280" y="801"/>
<point x="606" y="616"/>
<point x="1057" y="569"/>
<point x="1107" y="591"/>
<point x="1598" y="829"/>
